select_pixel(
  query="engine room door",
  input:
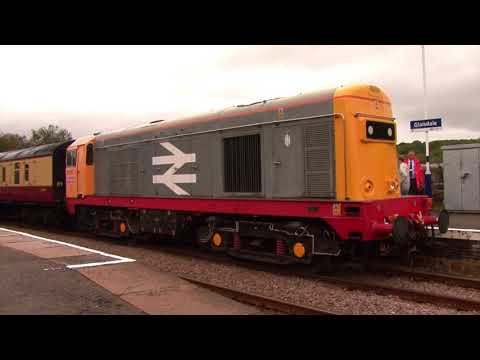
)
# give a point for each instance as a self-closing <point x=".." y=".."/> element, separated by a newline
<point x="81" y="175"/>
<point x="287" y="172"/>
<point x="71" y="174"/>
<point x="469" y="177"/>
<point x="451" y="179"/>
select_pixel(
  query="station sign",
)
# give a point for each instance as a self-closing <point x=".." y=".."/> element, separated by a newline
<point x="426" y="125"/>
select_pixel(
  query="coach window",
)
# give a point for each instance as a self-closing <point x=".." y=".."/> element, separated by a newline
<point x="72" y="158"/>
<point x="4" y="174"/>
<point x="27" y="173"/>
<point x="90" y="154"/>
<point x="16" y="174"/>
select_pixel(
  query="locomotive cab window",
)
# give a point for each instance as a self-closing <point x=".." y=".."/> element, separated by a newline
<point x="72" y="158"/>
<point x="90" y="154"/>
<point x="27" y="172"/>
<point x="16" y="174"/>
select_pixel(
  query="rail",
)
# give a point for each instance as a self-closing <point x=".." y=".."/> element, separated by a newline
<point x="259" y="300"/>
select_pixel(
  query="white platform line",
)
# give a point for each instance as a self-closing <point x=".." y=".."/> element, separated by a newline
<point x="455" y="229"/>
<point x="100" y="263"/>
<point x="120" y="259"/>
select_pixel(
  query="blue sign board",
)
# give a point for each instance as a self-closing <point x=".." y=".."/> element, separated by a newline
<point x="424" y="125"/>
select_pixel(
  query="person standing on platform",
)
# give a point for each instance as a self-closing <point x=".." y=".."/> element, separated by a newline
<point x="415" y="173"/>
<point x="404" y="177"/>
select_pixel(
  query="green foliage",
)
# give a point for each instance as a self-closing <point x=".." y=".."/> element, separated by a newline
<point x="435" y="148"/>
<point x="12" y="142"/>
<point x="49" y="135"/>
<point x="41" y="136"/>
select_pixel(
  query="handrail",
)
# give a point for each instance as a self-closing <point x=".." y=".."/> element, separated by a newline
<point x="253" y="125"/>
<point x="221" y="129"/>
<point x="374" y="116"/>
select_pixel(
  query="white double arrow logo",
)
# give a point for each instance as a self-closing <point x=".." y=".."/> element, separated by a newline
<point x="169" y="178"/>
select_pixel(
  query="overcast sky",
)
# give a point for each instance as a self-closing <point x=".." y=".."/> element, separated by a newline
<point x="97" y="88"/>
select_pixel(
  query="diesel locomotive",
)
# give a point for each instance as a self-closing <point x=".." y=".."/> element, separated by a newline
<point x="282" y="180"/>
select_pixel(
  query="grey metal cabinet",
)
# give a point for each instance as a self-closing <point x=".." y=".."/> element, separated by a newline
<point x="461" y="174"/>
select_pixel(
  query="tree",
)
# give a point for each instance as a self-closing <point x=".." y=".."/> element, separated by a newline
<point x="436" y="153"/>
<point x="49" y="135"/>
<point x="12" y="142"/>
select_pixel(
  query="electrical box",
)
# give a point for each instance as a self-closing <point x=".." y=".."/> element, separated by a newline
<point x="461" y="174"/>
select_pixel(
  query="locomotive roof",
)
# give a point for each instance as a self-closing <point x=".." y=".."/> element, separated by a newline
<point x="217" y="116"/>
<point x="218" y="120"/>
<point x="35" y="151"/>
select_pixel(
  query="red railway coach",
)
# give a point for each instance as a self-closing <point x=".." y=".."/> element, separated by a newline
<point x="282" y="180"/>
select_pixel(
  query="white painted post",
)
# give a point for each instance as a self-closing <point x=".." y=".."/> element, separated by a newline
<point x="428" y="174"/>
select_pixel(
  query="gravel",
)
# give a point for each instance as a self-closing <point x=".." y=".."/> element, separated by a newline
<point x="285" y="287"/>
<point x="426" y="286"/>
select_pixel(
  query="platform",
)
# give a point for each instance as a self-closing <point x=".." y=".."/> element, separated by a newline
<point x="462" y="226"/>
<point x="464" y="221"/>
<point x="34" y="285"/>
<point x="45" y="276"/>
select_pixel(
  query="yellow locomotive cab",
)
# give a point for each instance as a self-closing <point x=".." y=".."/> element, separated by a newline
<point x="365" y="137"/>
<point x="80" y="168"/>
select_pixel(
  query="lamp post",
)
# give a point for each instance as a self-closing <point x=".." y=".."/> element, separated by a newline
<point x="428" y="174"/>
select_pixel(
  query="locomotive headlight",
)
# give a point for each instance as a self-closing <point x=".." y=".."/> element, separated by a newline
<point x="370" y="130"/>
<point x="368" y="186"/>
<point x="390" y="132"/>
<point x="392" y="185"/>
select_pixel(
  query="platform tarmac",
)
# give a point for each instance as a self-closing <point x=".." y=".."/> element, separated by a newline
<point x="44" y="276"/>
<point x="462" y="226"/>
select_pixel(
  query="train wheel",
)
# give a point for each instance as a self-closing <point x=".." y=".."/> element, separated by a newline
<point x="400" y="232"/>
<point x="202" y="236"/>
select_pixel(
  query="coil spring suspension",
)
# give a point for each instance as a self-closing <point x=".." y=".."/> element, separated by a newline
<point x="236" y="241"/>
<point x="280" y="247"/>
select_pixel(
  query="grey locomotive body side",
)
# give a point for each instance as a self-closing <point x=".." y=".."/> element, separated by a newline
<point x="258" y="155"/>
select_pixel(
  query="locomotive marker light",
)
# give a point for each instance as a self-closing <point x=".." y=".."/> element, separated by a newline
<point x="170" y="178"/>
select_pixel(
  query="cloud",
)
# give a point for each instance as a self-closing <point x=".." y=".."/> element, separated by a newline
<point x="90" y="88"/>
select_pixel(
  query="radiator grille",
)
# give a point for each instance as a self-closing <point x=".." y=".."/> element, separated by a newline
<point x="242" y="167"/>
<point x="123" y="177"/>
<point x="319" y="160"/>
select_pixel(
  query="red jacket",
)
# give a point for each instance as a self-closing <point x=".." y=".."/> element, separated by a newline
<point x="419" y="175"/>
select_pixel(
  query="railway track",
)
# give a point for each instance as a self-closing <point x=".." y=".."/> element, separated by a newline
<point x="260" y="300"/>
<point x="277" y="305"/>
<point x="419" y="275"/>
<point x="453" y="302"/>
